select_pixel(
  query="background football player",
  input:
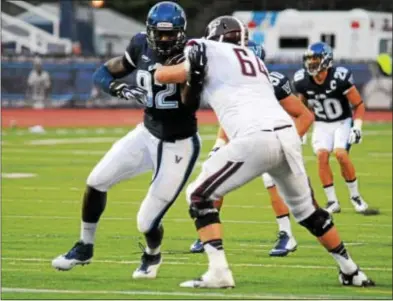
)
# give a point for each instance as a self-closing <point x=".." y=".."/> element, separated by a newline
<point x="285" y="240"/>
<point x="167" y="142"/>
<point x="331" y="93"/>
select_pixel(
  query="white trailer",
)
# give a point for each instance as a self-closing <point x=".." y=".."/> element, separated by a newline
<point x="354" y="35"/>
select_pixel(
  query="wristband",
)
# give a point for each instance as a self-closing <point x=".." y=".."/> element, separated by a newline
<point x="358" y="123"/>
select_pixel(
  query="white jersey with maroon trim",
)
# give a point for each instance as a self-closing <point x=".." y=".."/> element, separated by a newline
<point x="238" y="88"/>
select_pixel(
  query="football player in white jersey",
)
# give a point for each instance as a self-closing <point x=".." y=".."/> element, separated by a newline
<point x="285" y="242"/>
<point x="262" y="138"/>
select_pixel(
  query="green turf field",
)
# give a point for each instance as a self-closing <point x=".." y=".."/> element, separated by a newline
<point x="41" y="219"/>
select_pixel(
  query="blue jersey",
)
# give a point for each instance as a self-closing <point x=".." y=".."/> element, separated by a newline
<point x="328" y="100"/>
<point x="165" y="115"/>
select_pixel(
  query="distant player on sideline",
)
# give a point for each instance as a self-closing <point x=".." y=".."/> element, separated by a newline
<point x="285" y="240"/>
<point x="330" y="91"/>
<point x="38" y="86"/>
<point x="262" y="138"/>
<point x="167" y="142"/>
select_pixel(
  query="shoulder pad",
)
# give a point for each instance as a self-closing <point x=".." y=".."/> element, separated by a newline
<point x="343" y="74"/>
<point x="139" y="38"/>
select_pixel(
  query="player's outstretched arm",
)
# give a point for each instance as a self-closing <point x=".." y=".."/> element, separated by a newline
<point x="106" y="75"/>
<point x="113" y="69"/>
<point x="175" y="74"/>
<point x="296" y="108"/>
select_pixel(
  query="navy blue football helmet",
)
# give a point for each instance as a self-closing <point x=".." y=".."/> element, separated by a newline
<point x="166" y="25"/>
<point x="258" y="49"/>
<point x="318" y="57"/>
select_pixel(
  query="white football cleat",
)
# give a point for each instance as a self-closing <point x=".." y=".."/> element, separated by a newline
<point x="359" y="204"/>
<point x="149" y="267"/>
<point x="217" y="278"/>
<point x="333" y="207"/>
<point x="284" y="245"/>
<point x="358" y="278"/>
<point x="80" y="254"/>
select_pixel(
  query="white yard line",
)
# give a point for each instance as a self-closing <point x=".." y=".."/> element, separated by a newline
<point x="84" y="140"/>
<point x="161" y="293"/>
<point x="34" y="151"/>
<point x="114" y="203"/>
<point x="193" y="263"/>
<point x="74" y="188"/>
<point x="88" y="140"/>
<point x="183" y="220"/>
<point x="302" y="246"/>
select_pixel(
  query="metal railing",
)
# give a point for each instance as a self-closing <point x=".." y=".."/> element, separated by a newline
<point x="42" y="13"/>
<point x="35" y="39"/>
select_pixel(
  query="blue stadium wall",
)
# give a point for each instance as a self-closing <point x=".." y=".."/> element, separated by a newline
<point x="72" y="81"/>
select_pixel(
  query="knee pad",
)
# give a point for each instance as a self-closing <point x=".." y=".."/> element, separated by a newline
<point x="318" y="223"/>
<point x="154" y="237"/>
<point x="94" y="202"/>
<point x="268" y="180"/>
<point x="204" y="214"/>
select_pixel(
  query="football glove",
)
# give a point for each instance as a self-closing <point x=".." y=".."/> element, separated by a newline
<point x="124" y="91"/>
<point x="198" y="60"/>
<point x="355" y="136"/>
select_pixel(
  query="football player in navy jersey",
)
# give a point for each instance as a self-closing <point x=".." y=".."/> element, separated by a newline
<point x="330" y="92"/>
<point x="286" y="242"/>
<point x="166" y="142"/>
